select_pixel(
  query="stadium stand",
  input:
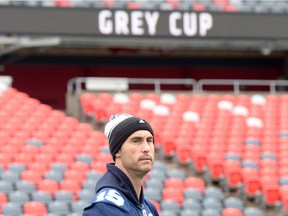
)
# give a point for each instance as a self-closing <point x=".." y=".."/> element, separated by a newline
<point x="263" y="6"/>
<point x="34" y="180"/>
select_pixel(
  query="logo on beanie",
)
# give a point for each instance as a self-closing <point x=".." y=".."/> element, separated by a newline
<point x="141" y="121"/>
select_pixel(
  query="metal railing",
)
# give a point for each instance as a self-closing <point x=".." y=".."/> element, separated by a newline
<point x="237" y="85"/>
<point x="77" y="85"/>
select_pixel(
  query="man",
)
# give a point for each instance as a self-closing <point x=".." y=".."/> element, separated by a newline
<point x="120" y="191"/>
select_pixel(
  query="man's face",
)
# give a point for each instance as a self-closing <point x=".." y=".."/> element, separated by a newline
<point x="137" y="153"/>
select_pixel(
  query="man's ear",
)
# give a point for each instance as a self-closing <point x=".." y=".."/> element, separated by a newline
<point x="117" y="155"/>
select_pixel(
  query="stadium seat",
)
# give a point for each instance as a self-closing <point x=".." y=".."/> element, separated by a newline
<point x="31" y="176"/>
<point x="65" y="158"/>
<point x="189" y="212"/>
<point x="192" y="204"/>
<point x="64" y="196"/>
<point x="210" y="212"/>
<point x="84" y="158"/>
<point x="10" y="176"/>
<point x="173" y="194"/>
<point x="53" y="175"/>
<point x="25" y="186"/>
<point x="93" y="175"/>
<point x="58" y="207"/>
<point x="12" y="209"/>
<point x="16" y="168"/>
<point x="5" y="159"/>
<point x="155" y="183"/>
<point x="253" y="211"/>
<point x="170" y="206"/>
<point x="213" y="204"/>
<point x="233" y="175"/>
<point x="79" y="167"/>
<point x="133" y="6"/>
<point x="47" y="186"/>
<point x="199" y="160"/>
<point x="58" y="167"/>
<point x="213" y="192"/>
<point x="6" y="186"/>
<point x="234" y="203"/>
<point x="86" y="195"/>
<point x="199" y="7"/>
<point x="215" y="169"/>
<point x="153" y="194"/>
<point x="3" y="198"/>
<point x="34" y="208"/>
<point x="193" y="182"/>
<point x="42" y="197"/>
<point x="193" y="194"/>
<point x="75" y="175"/>
<point x="231" y="212"/>
<point x="70" y="185"/>
<point x="176" y="173"/>
<point x="251" y="186"/>
<point x="174" y="182"/>
<point x="23" y="158"/>
<point x="271" y="195"/>
<point x="78" y="206"/>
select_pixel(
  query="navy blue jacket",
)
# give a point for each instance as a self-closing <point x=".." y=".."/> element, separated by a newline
<point x="115" y="195"/>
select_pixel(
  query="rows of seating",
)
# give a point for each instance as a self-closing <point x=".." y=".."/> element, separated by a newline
<point x="179" y="194"/>
<point x="239" y="141"/>
<point x="50" y="162"/>
<point x="195" y="5"/>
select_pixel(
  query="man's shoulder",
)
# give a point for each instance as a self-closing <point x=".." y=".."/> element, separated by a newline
<point x="108" y="200"/>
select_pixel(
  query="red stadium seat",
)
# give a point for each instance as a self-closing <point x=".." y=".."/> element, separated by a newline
<point x="199" y="159"/>
<point x="283" y="190"/>
<point x="9" y="150"/>
<point x="31" y="176"/>
<point x="271" y="195"/>
<point x="34" y="208"/>
<point x="231" y="212"/>
<point x="47" y="186"/>
<point x="3" y="199"/>
<point x="183" y="153"/>
<point x="65" y="158"/>
<point x="174" y="3"/>
<point x="45" y="158"/>
<point x="70" y="185"/>
<point x="133" y="5"/>
<point x="194" y="183"/>
<point x="251" y="185"/>
<point x="80" y="167"/>
<point x="233" y="175"/>
<point x="63" y="3"/>
<point x="39" y="166"/>
<point x="75" y="175"/>
<point x="199" y="7"/>
<point x="215" y="168"/>
<point x="98" y="166"/>
<point x="173" y="194"/>
<point x="173" y="182"/>
<point x="5" y="159"/>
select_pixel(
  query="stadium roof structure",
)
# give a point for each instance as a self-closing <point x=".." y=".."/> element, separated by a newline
<point x="64" y="30"/>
